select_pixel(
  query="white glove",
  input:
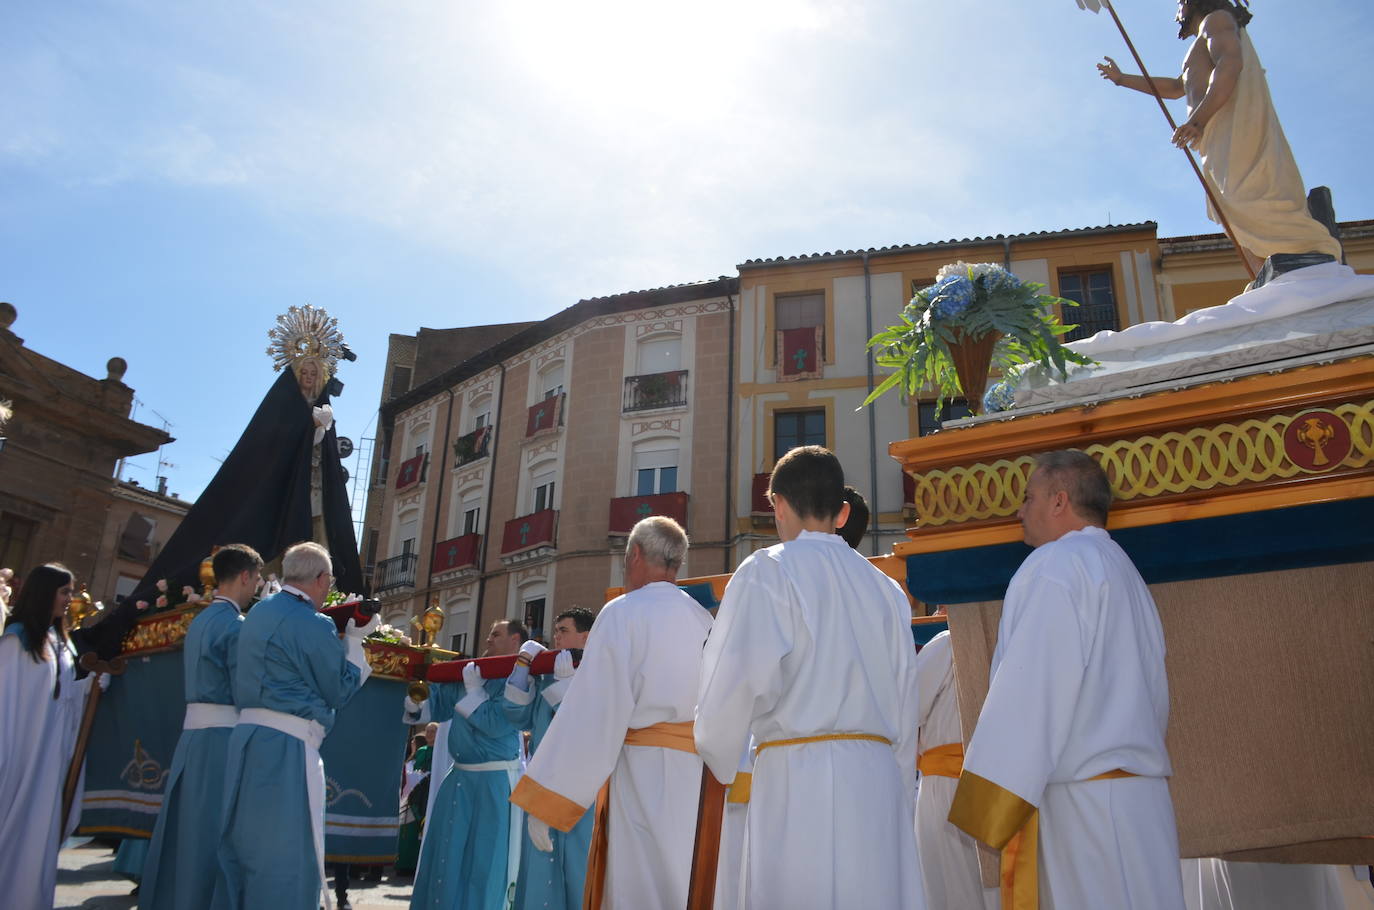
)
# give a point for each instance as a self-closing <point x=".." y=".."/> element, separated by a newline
<point x="539" y="835"/>
<point x="415" y="712"/>
<point x="472" y="678"/>
<point x="103" y="681"/>
<point x="563" y="665"/>
<point x="363" y="631"/>
<point x="530" y="650"/>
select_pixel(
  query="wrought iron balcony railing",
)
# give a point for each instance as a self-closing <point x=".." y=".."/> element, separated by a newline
<point x="395" y="573"/>
<point x="655" y="390"/>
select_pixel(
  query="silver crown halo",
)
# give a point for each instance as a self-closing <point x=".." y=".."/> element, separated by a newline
<point x="305" y="331"/>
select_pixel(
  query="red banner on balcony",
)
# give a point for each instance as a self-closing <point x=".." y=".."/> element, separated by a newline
<point x="799" y="353"/>
<point x="529" y="531"/>
<point x="629" y="510"/>
<point x="458" y="553"/>
<point x="544" y="415"/>
<point x="759" y="503"/>
<point x="412" y="472"/>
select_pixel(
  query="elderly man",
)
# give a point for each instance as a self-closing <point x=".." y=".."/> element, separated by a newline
<point x="470" y="851"/>
<point x="293" y="674"/>
<point x="552" y="872"/>
<point x="1068" y="755"/>
<point x="629" y="718"/>
<point x="812" y="653"/>
<point x="181" y="865"/>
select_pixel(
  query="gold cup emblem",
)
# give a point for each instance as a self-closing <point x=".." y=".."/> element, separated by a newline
<point x="1316" y="434"/>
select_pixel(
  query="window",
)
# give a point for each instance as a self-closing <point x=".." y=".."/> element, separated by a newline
<point x="15" y="536"/>
<point x="136" y="543"/>
<point x="534" y="617"/>
<point x="649" y="481"/>
<point x="472" y="520"/>
<point x="1096" y="310"/>
<point x="409" y="531"/>
<point x="799" y="311"/>
<point x="482" y="420"/>
<point x="655" y="471"/>
<point x="661" y="355"/>
<point x="542" y="494"/>
<point x="400" y="381"/>
<point x="928" y="421"/>
<point x="458" y="644"/>
<point x="551" y="382"/>
<point x="797" y="428"/>
<point x="419" y="450"/>
<point x="480" y="408"/>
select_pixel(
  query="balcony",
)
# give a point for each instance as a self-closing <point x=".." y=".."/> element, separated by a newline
<point x="545" y="416"/>
<point x="529" y="536"/>
<point x="412" y="472"/>
<point x="396" y="574"/>
<point x="456" y="555"/>
<point x="655" y="390"/>
<point x="472" y="447"/>
<point x="628" y="510"/>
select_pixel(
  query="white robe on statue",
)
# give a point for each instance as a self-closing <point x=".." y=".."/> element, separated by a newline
<point x="1078" y="689"/>
<point x="639" y="668"/>
<point x="37" y="736"/>
<point x="949" y="857"/>
<point x="811" y="640"/>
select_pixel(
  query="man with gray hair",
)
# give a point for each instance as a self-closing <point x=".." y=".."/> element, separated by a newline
<point x="1067" y="771"/>
<point x="625" y="728"/>
<point x="294" y="672"/>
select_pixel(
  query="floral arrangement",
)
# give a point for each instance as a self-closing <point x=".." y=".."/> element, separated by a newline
<point x="168" y="599"/>
<point x="390" y="635"/>
<point x="973" y="318"/>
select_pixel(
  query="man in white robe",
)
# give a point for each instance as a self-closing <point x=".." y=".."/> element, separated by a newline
<point x="949" y="857"/>
<point x="1075" y="716"/>
<point x="812" y="653"/>
<point x="628" y="716"/>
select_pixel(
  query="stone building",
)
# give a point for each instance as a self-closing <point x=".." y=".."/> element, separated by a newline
<point x="57" y="467"/>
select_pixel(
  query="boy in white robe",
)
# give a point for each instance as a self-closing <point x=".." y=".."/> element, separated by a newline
<point x="628" y="716"/>
<point x="812" y="653"/>
<point x="1075" y="716"/>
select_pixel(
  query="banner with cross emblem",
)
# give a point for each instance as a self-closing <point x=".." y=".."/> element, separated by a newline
<point x="799" y="353"/>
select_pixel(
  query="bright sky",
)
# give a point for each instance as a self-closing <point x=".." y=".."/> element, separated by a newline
<point x="174" y="175"/>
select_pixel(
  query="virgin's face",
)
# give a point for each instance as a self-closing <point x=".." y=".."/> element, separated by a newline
<point x="308" y="377"/>
<point x="61" y="599"/>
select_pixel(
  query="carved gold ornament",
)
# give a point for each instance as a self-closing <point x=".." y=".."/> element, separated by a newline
<point x="1253" y="451"/>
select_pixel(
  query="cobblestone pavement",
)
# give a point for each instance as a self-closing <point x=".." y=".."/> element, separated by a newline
<point x="86" y="879"/>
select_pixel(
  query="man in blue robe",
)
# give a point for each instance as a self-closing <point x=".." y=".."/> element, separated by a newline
<point x="180" y="868"/>
<point x="293" y="674"/>
<point x="466" y="854"/>
<point x="552" y="874"/>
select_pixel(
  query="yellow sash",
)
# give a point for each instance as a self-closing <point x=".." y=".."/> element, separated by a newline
<point x="941" y="761"/>
<point x="676" y="736"/>
<point x="824" y="738"/>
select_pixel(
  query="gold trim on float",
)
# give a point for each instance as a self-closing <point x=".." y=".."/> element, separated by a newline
<point x="1299" y="492"/>
<point x="1171" y="463"/>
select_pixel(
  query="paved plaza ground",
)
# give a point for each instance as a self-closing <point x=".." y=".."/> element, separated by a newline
<point x="86" y="879"/>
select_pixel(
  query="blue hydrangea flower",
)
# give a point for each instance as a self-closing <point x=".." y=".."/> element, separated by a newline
<point x="1001" y="395"/>
<point x="995" y="278"/>
<point x="950" y="296"/>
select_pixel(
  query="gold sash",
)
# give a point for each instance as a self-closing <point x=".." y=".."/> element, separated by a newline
<point x="941" y="761"/>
